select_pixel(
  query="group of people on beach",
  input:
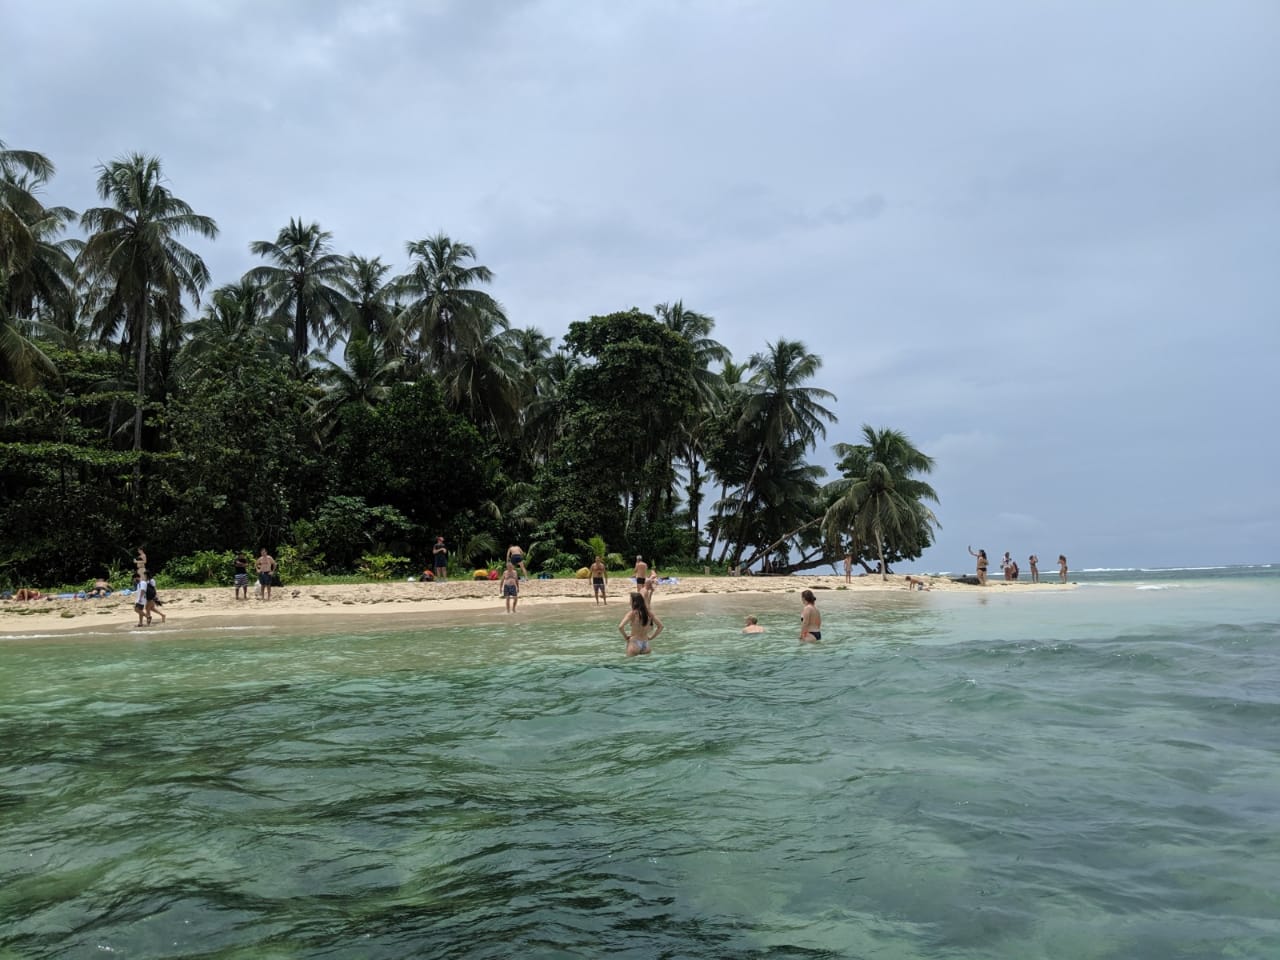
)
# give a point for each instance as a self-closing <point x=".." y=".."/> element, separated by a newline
<point x="1010" y="566"/>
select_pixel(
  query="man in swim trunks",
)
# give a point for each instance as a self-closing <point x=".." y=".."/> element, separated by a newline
<point x="511" y="587"/>
<point x="240" y="575"/>
<point x="599" y="580"/>
<point x="266" y="567"/>
<point x="515" y="557"/>
<point x="641" y="572"/>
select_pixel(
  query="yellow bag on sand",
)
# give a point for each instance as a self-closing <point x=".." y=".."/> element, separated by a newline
<point x="583" y="573"/>
<point x="480" y="575"/>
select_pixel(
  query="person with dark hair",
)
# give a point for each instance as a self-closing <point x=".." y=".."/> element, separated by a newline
<point x="1062" y="567"/>
<point x="599" y="580"/>
<point x="810" y="619"/>
<point x="266" y="567"/>
<point x="982" y="565"/>
<point x="440" y="559"/>
<point x="515" y="557"/>
<point x="645" y="627"/>
<point x="240" y="575"/>
<point x="1034" y="561"/>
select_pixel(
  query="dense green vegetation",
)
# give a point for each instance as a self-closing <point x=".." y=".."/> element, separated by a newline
<point x="141" y="405"/>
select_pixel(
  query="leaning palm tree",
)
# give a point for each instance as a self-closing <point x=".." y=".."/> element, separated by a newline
<point x="881" y="500"/>
<point x="133" y="260"/>
<point x="443" y="307"/>
<point x="304" y="283"/>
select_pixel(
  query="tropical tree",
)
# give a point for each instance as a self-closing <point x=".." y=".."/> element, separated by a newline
<point x="371" y="306"/>
<point x="369" y="370"/>
<point x="21" y="172"/>
<point x="236" y="319"/>
<point x="135" y="268"/>
<point x="305" y="284"/>
<point x="444" y="309"/>
<point x="880" y="501"/>
<point x="778" y="418"/>
<point x="696" y="329"/>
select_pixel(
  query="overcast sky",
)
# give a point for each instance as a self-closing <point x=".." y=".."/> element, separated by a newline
<point x="1043" y="239"/>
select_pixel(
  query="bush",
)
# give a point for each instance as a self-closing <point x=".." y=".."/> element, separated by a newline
<point x="382" y="566"/>
<point x="561" y="563"/>
<point x="201" y="567"/>
<point x="297" y="563"/>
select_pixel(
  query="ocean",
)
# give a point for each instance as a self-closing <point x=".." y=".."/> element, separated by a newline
<point x="984" y="774"/>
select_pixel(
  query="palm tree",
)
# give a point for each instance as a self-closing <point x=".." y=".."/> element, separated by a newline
<point x="371" y="307"/>
<point x="444" y="310"/>
<point x="236" y="317"/>
<point x="21" y="172"/>
<point x="779" y="412"/>
<point x="305" y="283"/>
<point x="370" y="370"/>
<point x="696" y="329"/>
<point x="880" y="500"/>
<point x="133" y="261"/>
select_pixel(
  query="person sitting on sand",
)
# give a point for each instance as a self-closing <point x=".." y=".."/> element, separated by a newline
<point x="982" y="565"/>
<point x="810" y="619"/>
<point x="28" y="593"/>
<point x="753" y="626"/>
<point x="511" y="587"/>
<point x="644" y="627"/>
<point x="599" y="580"/>
<point x="916" y="583"/>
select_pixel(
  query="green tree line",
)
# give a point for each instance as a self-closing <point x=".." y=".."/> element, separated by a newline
<point x="327" y="405"/>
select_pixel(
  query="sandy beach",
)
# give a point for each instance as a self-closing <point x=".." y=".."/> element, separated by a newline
<point x="203" y="607"/>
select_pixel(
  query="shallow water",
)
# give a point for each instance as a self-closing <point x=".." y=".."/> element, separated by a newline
<point x="1089" y="774"/>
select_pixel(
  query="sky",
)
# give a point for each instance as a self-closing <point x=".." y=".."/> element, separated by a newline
<point x="1039" y="238"/>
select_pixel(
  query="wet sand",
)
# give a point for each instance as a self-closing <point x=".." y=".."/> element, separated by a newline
<point x="203" y="607"/>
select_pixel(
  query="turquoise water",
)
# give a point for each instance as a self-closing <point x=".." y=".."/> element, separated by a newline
<point x="1085" y="774"/>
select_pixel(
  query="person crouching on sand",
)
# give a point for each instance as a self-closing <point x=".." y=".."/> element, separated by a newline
<point x="810" y="619"/>
<point x="645" y="627"/>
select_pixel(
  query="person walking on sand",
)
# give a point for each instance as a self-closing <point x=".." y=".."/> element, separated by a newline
<point x="511" y="587"/>
<point x="848" y="567"/>
<point x="599" y="580"/>
<point x="982" y="565"/>
<point x="810" y="619"/>
<point x="440" y="560"/>
<point x="139" y="598"/>
<point x="240" y="575"/>
<point x="1062" y="567"/>
<point x="515" y="557"/>
<point x="641" y="572"/>
<point x="644" y="627"/>
<point x="266" y="567"/>
<point x="1032" y="562"/>
<point x="153" y="602"/>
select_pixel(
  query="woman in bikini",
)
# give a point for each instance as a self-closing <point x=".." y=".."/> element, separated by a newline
<point x="645" y="627"/>
<point x="982" y="565"/>
<point x="810" y="619"/>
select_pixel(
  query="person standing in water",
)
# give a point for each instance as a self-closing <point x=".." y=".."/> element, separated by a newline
<point x="753" y="626"/>
<point x="599" y="580"/>
<point x="644" y="627"/>
<point x="511" y="587"/>
<point x="1062" y="567"/>
<point x="810" y="619"/>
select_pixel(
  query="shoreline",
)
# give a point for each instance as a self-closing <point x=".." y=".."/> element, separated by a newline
<point x="200" y="608"/>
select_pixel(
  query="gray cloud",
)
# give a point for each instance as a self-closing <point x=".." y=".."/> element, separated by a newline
<point x="1039" y="238"/>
